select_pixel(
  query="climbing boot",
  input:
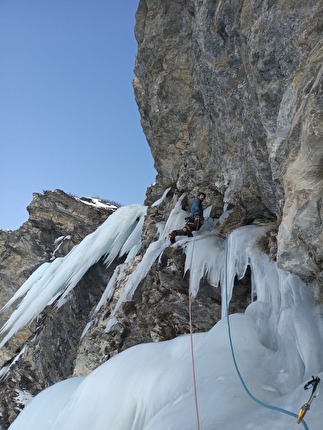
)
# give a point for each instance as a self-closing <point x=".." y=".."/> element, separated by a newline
<point x="187" y="231"/>
<point x="172" y="237"/>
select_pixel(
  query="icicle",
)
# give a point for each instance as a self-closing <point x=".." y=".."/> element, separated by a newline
<point x="239" y="251"/>
<point x="4" y="371"/>
<point x="155" y="249"/>
<point x="283" y="309"/>
<point x="159" y="201"/>
<point x="33" y="279"/>
<point x="61" y="276"/>
<point x="204" y="259"/>
<point x="108" y="292"/>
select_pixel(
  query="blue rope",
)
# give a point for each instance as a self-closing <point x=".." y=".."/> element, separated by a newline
<point x="265" y="405"/>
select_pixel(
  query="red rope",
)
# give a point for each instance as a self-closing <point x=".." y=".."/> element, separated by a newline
<point x="193" y="364"/>
<point x="192" y="345"/>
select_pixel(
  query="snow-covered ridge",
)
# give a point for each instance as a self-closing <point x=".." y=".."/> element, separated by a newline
<point x="97" y="203"/>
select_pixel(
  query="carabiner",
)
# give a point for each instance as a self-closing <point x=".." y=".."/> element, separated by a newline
<point x="302" y="412"/>
<point x="306" y="407"/>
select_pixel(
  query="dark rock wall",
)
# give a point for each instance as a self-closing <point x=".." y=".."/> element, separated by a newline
<point x="230" y="97"/>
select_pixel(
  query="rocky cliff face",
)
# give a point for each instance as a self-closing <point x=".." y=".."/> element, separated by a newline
<point x="57" y="222"/>
<point x="230" y="96"/>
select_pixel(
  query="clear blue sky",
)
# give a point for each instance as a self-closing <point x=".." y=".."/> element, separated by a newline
<point x="68" y="116"/>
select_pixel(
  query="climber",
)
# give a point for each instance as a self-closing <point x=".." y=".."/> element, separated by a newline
<point x="194" y="222"/>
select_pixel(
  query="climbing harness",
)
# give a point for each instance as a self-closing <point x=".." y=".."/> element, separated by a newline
<point x="306" y="407"/>
<point x="265" y="405"/>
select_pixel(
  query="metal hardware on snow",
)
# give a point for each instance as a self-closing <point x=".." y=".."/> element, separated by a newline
<point x="306" y="407"/>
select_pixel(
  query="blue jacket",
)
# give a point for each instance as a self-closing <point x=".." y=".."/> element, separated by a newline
<point x="196" y="208"/>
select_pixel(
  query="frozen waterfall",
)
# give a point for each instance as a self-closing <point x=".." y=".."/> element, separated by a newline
<point x="277" y="341"/>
